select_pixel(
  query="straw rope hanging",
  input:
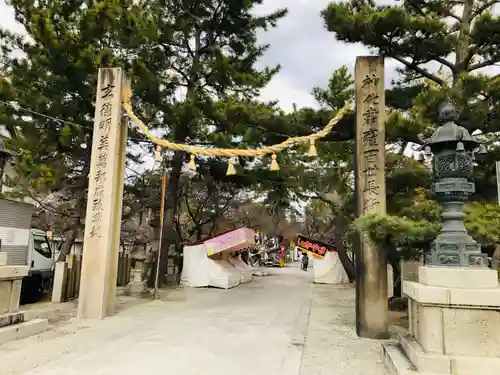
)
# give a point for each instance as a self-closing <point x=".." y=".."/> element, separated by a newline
<point x="233" y="152"/>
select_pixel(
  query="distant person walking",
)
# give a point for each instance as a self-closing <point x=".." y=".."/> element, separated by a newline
<point x="305" y="261"/>
<point x="245" y="256"/>
<point x="179" y="261"/>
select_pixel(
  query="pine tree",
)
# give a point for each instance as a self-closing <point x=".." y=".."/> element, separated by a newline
<point x="445" y="49"/>
<point x="212" y="47"/>
<point x="52" y="70"/>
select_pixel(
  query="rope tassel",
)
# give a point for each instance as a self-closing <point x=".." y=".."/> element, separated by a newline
<point x="192" y="163"/>
<point x="274" y="163"/>
<point x="312" y="148"/>
<point x="231" y="171"/>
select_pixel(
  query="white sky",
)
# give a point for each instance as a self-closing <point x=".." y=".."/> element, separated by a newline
<point x="307" y="52"/>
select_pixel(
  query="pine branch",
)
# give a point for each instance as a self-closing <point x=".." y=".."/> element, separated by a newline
<point x="43" y="205"/>
<point x="483" y="64"/>
<point x="445" y="62"/>
<point x="484" y="7"/>
<point x="416" y="68"/>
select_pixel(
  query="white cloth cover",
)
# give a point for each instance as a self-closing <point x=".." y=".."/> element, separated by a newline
<point x="195" y="269"/>
<point x="246" y="272"/>
<point x="258" y="271"/>
<point x="200" y="271"/>
<point x="329" y="270"/>
<point x="223" y="275"/>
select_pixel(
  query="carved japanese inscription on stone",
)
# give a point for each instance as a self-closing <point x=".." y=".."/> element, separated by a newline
<point x="370" y="130"/>
<point x="372" y="288"/>
<point x="106" y="93"/>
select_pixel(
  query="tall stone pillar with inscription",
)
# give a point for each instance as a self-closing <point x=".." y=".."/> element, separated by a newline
<point x="371" y="280"/>
<point x="97" y="295"/>
<point x="454" y="305"/>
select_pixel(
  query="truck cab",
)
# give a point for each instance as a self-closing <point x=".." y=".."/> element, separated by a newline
<point x="23" y="245"/>
<point x="41" y="260"/>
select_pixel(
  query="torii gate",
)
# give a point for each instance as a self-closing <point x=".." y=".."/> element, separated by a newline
<point x="97" y="297"/>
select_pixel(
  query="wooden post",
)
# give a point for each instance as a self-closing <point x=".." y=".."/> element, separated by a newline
<point x="162" y="212"/>
<point x="371" y="279"/>
<point x="70" y="291"/>
<point x="104" y="207"/>
<point x="121" y="270"/>
<point x="128" y="268"/>
<point x="78" y="273"/>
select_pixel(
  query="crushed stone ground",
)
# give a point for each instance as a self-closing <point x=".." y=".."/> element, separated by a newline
<point x="278" y="324"/>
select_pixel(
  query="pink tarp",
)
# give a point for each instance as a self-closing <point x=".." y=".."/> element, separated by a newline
<point x="235" y="240"/>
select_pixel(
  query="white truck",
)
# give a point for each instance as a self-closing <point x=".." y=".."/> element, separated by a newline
<point x="24" y="245"/>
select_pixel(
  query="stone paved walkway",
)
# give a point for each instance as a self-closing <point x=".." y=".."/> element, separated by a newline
<point x="279" y="324"/>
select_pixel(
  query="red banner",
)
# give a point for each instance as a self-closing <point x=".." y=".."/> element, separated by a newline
<point x="314" y="247"/>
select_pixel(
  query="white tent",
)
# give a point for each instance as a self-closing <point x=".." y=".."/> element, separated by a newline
<point x="329" y="270"/>
<point x="245" y="269"/>
<point x="207" y="264"/>
<point x="201" y="271"/>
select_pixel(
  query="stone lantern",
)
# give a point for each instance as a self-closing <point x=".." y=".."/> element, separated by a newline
<point x="453" y="149"/>
<point x="137" y="285"/>
<point x="454" y="305"/>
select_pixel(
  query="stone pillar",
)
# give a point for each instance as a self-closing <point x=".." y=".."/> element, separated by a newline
<point x="97" y="295"/>
<point x="371" y="281"/>
<point x="59" y="285"/>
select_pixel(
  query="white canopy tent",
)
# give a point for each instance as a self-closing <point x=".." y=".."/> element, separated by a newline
<point x="211" y="263"/>
<point x="326" y="264"/>
<point x="329" y="270"/>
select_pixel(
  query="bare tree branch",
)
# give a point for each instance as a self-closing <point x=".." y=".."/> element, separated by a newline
<point x="416" y="68"/>
<point x="483" y="64"/>
<point x="480" y="9"/>
<point x="43" y="205"/>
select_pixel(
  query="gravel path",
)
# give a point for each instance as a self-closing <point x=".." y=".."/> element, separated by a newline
<point x="332" y="346"/>
<point x="278" y="324"/>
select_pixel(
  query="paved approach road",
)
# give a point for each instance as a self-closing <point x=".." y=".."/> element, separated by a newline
<point x="278" y="324"/>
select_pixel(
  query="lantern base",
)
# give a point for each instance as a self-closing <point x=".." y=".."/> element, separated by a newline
<point x="454" y="324"/>
<point x="456" y="259"/>
<point x="456" y="249"/>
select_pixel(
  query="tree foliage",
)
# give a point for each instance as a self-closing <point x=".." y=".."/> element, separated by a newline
<point x="50" y="74"/>
<point x="413" y="235"/>
<point x="203" y="50"/>
<point x="444" y="49"/>
<point x="210" y="47"/>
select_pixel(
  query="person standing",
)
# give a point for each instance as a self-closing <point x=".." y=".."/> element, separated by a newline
<point x="305" y="261"/>
<point x="245" y="256"/>
<point x="179" y="261"/>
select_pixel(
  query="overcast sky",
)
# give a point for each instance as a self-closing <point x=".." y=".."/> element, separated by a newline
<point x="307" y="53"/>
